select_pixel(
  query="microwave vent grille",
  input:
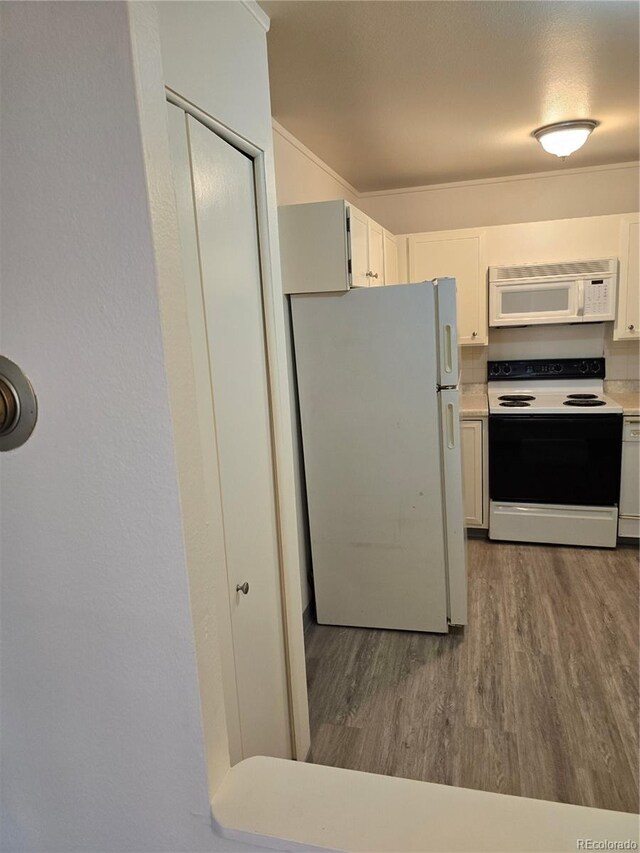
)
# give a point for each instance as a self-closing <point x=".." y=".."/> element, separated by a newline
<point x="570" y="268"/>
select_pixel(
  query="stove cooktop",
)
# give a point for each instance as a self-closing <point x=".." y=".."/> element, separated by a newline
<point x="558" y="386"/>
<point x="550" y="402"/>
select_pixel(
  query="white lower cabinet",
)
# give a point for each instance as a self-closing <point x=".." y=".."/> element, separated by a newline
<point x="473" y="472"/>
<point x="629" y="518"/>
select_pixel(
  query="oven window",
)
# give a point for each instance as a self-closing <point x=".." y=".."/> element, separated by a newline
<point x="555" y="459"/>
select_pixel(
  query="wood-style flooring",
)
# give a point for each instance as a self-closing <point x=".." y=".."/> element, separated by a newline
<point x="537" y="696"/>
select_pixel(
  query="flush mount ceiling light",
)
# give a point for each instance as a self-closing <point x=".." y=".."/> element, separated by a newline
<point x="564" y="137"/>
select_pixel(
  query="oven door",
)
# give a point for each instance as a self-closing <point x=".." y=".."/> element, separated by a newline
<point x="555" y="459"/>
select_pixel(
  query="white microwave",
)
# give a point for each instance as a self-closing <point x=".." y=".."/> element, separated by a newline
<point x="568" y="292"/>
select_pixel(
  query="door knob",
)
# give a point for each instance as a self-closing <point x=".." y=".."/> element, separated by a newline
<point x="372" y="274"/>
<point x="9" y="408"/>
<point x="18" y="406"/>
<point x="631" y="327"/>
<point x="243" y="587"/>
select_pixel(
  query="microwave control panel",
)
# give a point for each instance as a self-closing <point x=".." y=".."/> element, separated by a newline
<point x="598" y="297"/>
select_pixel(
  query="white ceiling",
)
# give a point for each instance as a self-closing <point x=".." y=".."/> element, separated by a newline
<point x="398" y="94"/>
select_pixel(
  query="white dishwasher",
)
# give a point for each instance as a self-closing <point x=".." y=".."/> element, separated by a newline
<point x="629" y="518"/>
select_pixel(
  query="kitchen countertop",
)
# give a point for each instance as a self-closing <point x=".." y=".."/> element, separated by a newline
<point x="474" y="402"/>
<point x="629" y="400"/>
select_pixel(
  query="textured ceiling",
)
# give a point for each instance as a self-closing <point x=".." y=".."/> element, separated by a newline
<point x="398" y="94"/>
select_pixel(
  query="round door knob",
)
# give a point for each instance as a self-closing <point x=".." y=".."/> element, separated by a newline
<point x="372" y="274"/>
<point x="243" y="587"/>
<point x="631" y="327"/>
<point x="8" y="407"/>
<point x="474" y="334"/>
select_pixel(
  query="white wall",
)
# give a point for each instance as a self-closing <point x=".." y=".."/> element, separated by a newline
<point x="301" y="176"/>
<point x="101" y="734"/>
<point x="525" y="198"/>
<point x="102" y="744"/>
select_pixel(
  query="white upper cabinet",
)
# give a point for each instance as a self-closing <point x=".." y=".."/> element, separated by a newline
<point x="627" y="324"/>
<point x="462" y="256"/>
<point x="390" y="253"/>
<point x="331" y="246"/>
<point x="367" y="251"/>
<point x="376" y="254"/>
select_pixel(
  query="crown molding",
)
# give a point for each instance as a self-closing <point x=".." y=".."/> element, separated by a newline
<point x="556" y="173"/>
<point x="293" y="140"/>
<point x="258" y="13"/>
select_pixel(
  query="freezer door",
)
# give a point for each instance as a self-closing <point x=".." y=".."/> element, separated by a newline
<point x="366" y="369"/>
<point x="447" y="325"/>
<point x="455" y="545"/>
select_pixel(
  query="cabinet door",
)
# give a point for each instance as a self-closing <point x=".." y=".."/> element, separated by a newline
<point x="314" y="250"/>
<point x="459" y="254"/>
<point x="472" y="467"/>
<point x="630" y="483"/>
<point x="391" y="275"/>
<point x="359" y="248"/>
<point x="376" y="255"/>
<point x="628" y="317"/>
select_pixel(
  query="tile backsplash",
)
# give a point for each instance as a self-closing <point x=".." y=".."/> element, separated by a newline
<point x="589" y="339"/>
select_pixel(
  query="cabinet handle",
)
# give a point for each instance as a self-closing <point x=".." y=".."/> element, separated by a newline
<point x="474" y="334"/>
<point x="243" y="587"/>
<point x="372" y="274"/>
<point x="631" y="327"/>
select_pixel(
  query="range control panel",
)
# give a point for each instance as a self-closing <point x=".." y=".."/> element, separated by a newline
<point x="543" y="368"/>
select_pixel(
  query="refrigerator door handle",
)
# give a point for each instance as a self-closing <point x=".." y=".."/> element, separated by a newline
<point x="448" y="348"/>
<point x="451" y="434"/>
<point x="453" y="508"/>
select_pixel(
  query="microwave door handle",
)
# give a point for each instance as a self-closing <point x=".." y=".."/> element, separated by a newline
<point x="580" y="298"/>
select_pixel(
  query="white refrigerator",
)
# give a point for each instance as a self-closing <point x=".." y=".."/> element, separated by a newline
<point x="377" y="374"/>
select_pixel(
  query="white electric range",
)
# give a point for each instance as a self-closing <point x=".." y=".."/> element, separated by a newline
<point x="555" y="445"/>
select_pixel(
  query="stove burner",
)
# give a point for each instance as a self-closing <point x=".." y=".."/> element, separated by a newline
<point x="516" y="397"/>
<point x="582" y="396"/>
<point x="516" y="404"/>
<point x="584" y="402"/>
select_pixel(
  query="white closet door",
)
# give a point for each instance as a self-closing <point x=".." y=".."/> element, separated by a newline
<point x="228" y="325"/>
<point x="180" y="162"/>
<point x="225" y="203"/>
